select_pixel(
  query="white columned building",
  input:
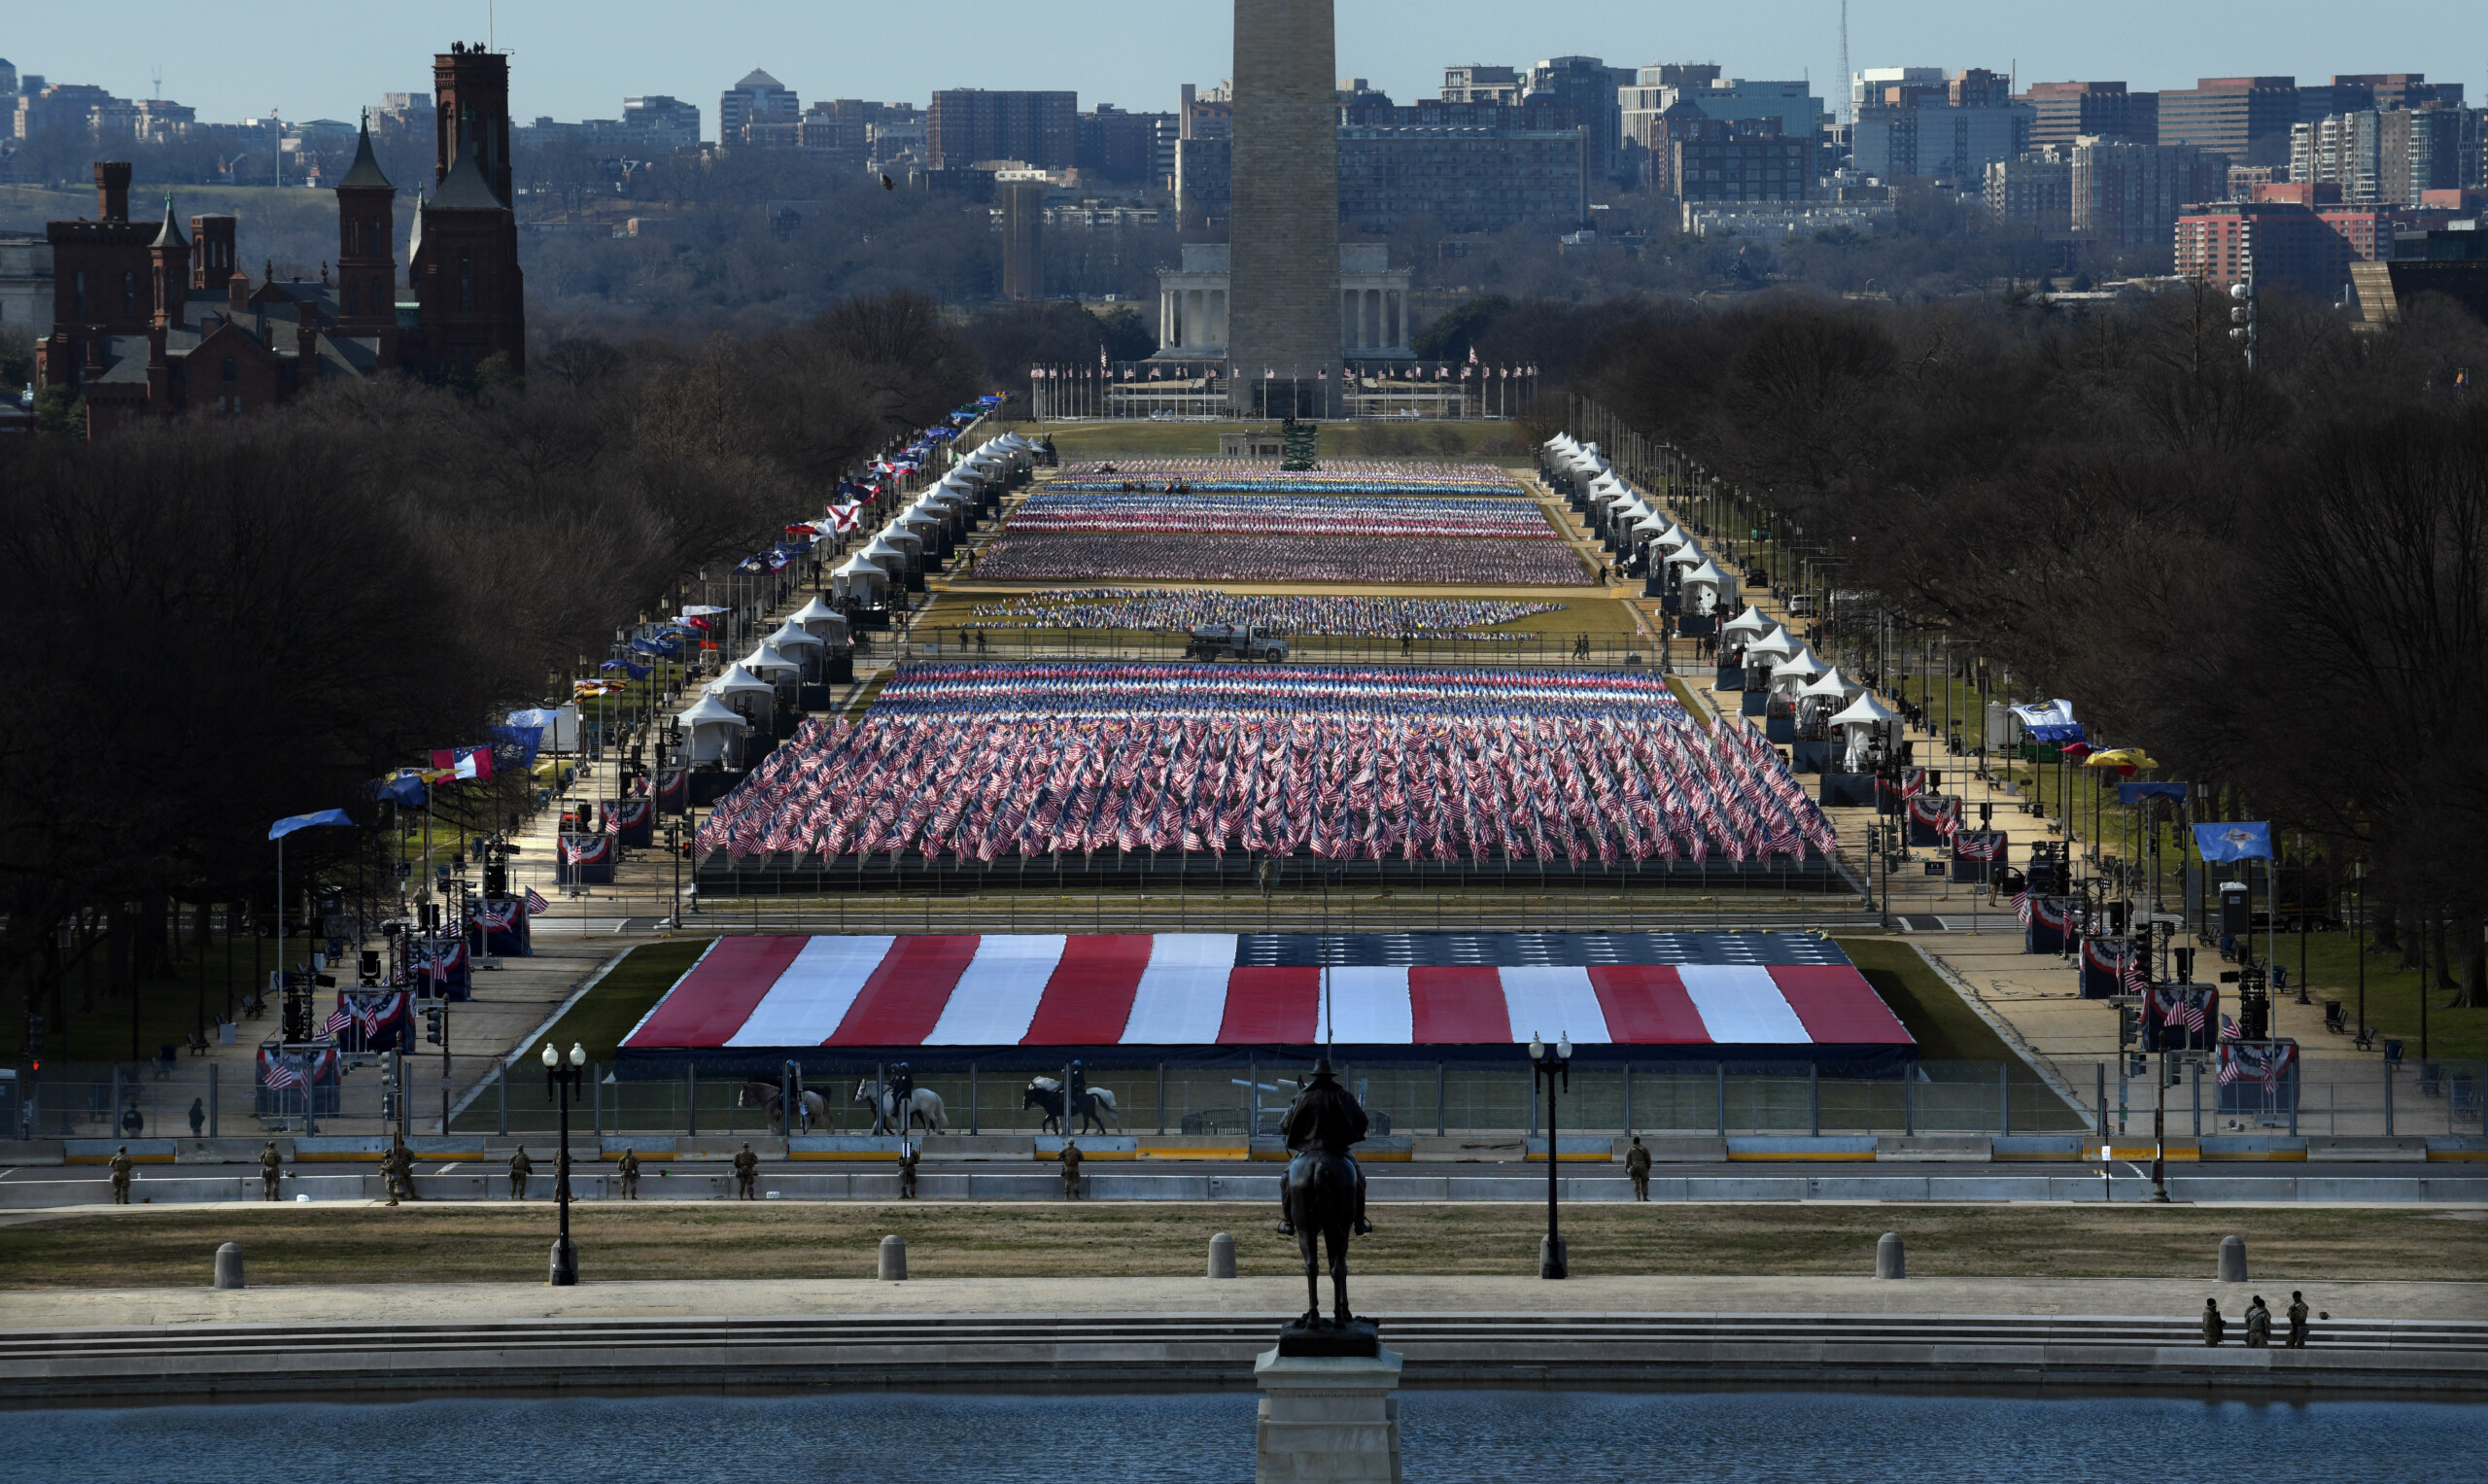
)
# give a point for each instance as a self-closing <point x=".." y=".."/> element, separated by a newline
<point x="1374" y="307"/>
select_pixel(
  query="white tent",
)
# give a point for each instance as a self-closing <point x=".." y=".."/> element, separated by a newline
<point x="821" y="621"/>
<point x="1861" y="723"/>
<point x="709" y="729"/>
<point x="1687" y="555"/>
<point x="738" y="687"/>
<point x="860" y="581"/>
<point x="1794" y="672"/>
<point x="766" y="662"/>
<point x="1771" y="648"/>
<point x="795" y="641"/>
<point x="896" y="551"/>
<point x="1748" y="622"/>
<point x="1674" y="538"/>
<point x="1826" y="692"/>
<point x="1702" y="587"/>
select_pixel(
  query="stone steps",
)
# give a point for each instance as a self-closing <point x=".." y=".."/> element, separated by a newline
<point x="1158" y="1352"/>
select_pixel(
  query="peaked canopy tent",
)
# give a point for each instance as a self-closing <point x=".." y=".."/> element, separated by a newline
<point x="1701" y="588"/>
<point x="741" y="690"/>
<point x="858" y="580"/>
<point x="1033" y="1001"/>
<point x="795" y="641"/>
<point x="710" y="730"/>
<point x="821" y="621"/>
<point x="1860" y="724"/>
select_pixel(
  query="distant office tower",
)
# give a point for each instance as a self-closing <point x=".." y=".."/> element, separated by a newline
<point x="2246" y="119"/>
<point x="1911" y="121"/>
<point x="758" y="109"/>
<point x="1283" y="340"/>
<point x="2063" y="111"/>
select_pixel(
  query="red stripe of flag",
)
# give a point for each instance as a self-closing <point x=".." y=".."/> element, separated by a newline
<point x="900" y="1004"/>
<point x="1645" y="1005"/>
<point x="1271" y="1004"/>
<point x="710" y="1003"/>
<point x="1089" y="997"/>
<point x="1458" y="1006"/>
<point x="1837" y="1006"/>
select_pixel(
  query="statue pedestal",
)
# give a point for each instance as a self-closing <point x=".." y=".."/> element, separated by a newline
<point x="1327" y="1418"/>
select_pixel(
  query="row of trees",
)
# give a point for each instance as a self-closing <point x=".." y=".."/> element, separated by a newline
<point x="226" y="622"/>
<point x="2275" y="578"/>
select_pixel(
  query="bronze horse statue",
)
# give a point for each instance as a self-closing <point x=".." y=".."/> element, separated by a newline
<point x="1323" y="1198"/>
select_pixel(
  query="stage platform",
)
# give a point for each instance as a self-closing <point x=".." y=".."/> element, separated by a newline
<point x="1033" y="1001"/>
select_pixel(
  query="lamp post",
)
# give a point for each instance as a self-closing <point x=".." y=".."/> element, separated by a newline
<point x="1552" y="1066"/>
<point x="561" y="1085"/>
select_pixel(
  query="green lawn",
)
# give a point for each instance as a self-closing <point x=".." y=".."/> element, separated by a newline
<point x="2393" y="996"/>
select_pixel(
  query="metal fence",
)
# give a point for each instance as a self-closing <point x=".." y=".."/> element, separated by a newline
<point x="1402" y="1098"/>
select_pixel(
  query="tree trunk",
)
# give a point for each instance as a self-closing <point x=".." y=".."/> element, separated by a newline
<point x="200" y="938"/>
<point x="2437" y="928"/>
<point x="2386" y="937"/>
<point x="2474" y="968"/>
<point x="2414" y="943"/>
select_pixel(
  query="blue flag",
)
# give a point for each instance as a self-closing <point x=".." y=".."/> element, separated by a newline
<point x="2136" y="793"/>
<point x="288" y="825"/>
<point x="2234" y="841"/>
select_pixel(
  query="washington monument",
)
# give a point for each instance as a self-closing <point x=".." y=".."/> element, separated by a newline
<point x="1283" y="333"/>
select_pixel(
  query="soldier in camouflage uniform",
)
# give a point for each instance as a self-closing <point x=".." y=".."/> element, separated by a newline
<point x="908" y="1156"/>
<point x="1071" y="1157"/>
<point x="1636" y="1164"/>
<point x="746" y="1174"/>
<point x="520" y="1168"/>
<point x="629" y="1170"/>
<point x="120" y="1166"/>
<point x="271" y="1170"/>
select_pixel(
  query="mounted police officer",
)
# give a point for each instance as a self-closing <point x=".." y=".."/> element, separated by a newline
<point x="902" y="1093"/>
<point x="1076" y="1096"/>
<point x="1326" y="1118"/>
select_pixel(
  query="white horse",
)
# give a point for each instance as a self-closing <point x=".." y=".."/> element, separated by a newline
<point x="770" y="1094"/>
<point x="923" y="1106"/>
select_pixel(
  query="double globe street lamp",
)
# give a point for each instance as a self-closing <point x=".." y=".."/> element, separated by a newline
<point x="562" y="1083"/>
<point x="1552" y="1066"/>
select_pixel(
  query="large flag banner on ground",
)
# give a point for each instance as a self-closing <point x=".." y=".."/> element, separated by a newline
<point x="2234" y="841"/>
<point x="1207" y="998"/>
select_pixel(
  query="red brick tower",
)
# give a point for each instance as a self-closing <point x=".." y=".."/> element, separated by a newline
<point x="212" y="261"/>
<point x="169" y="269"/>
<point x="471" y="101"/>
<point x="471" y="297"/>
<point x="367" y="261"/>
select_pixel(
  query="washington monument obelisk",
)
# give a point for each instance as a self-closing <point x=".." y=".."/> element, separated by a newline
<point x="1283" y="330"/>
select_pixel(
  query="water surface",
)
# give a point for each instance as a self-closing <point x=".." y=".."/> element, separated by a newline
<point x="1447" y="1438"/>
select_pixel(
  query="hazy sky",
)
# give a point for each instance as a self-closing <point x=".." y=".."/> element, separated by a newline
<point x="577" y="58"/>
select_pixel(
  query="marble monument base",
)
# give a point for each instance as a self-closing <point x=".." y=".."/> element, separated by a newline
<point x="1327" y="1418"/>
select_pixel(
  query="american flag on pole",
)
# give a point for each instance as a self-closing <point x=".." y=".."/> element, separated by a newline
<point x="535" y="902"/>
<point x="338" y="1020"/>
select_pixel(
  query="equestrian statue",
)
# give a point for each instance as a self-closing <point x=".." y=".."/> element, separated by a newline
<point x="1323" y="1198"/>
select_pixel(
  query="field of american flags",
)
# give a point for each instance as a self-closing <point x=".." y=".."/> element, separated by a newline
<point x="1049" y="760"/>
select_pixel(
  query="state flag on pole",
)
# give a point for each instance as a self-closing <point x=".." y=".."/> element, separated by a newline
<point x="468" y="763"/>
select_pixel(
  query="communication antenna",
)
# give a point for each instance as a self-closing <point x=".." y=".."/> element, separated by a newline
<point x="159" y="82"/>
<point x="1846" y="96"/>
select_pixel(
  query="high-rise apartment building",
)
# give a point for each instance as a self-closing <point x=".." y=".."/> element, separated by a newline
<point x="1117" y="146"/>
<point x="2127" y="196"/>
<point x="2034" y="190"/>
<point x="1591" y="87"/>
<point x="968" y="124"/>
<point x="1912" y="121"/>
